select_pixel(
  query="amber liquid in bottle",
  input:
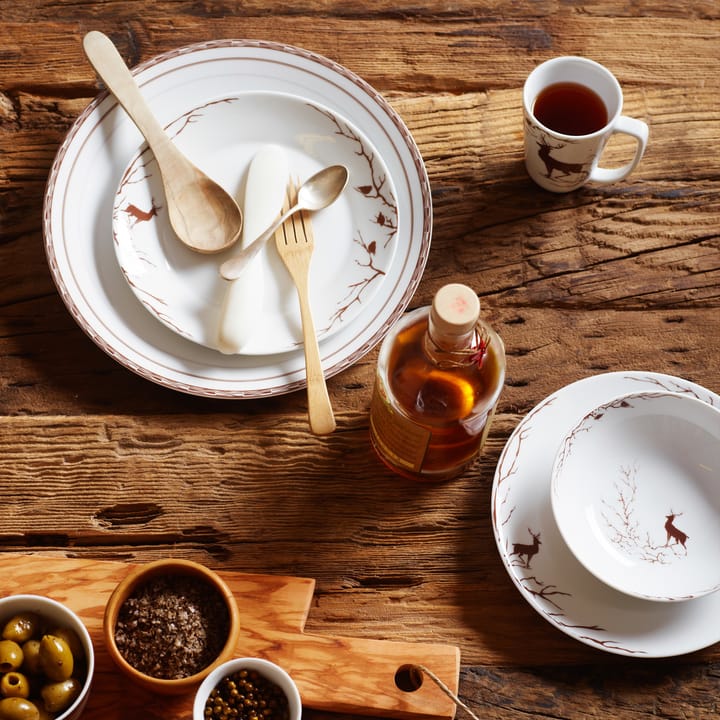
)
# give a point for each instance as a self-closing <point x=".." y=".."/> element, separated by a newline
<point x="431" y="408"/>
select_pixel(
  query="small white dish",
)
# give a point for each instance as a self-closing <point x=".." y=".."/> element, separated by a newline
<point x="548" y="576"/>
<point x="55" y="614"/>
<point x="636" y="495"/>
<point x="268" y="670"/>
<point x="354" y="237"/>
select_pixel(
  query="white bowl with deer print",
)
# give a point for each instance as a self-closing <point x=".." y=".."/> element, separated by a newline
<point x="636" y="495"/>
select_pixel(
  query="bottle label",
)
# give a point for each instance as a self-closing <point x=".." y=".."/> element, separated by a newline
<point x="401" y="441"/>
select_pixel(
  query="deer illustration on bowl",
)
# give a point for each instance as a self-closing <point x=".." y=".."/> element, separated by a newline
<point x="617" y="472"/>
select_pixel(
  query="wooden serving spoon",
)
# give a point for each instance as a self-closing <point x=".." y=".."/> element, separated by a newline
<point x="202" y="214"/>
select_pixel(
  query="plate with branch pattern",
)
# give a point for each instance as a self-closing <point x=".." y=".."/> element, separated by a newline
<point x="355" y="238"/>
<point x="81" y="198"/>
<point x="539" y="562"/>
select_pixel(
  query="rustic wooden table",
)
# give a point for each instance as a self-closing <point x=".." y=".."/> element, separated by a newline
<point x="97" y="463"/>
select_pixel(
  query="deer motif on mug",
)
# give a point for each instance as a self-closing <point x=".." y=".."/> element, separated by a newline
<point x="551" y="163"/>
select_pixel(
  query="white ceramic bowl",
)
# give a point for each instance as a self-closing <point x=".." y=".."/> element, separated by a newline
<point x="56" y="614"/>
<point x="636" y="495"/>
<point x="265" y="668"/>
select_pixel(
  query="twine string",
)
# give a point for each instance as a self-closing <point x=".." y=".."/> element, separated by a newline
<point x="447" y="691"/>
<point x="458" y="357"/>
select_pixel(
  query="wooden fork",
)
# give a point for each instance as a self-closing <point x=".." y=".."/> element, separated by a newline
<point x="295" y="244"/>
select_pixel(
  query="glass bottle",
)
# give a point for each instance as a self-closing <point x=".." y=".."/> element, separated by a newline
<point x="439" y="376"/>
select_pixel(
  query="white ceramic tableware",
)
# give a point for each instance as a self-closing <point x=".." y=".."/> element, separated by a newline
<point x="636" y="494"/>
<point x="56" y="615"/>
<point x="267" y="669"/>
<point x="547" y="575"/>
<point x="355" y="252"/>
<point x="562" y="158"/>
<point x="93" y="158"/>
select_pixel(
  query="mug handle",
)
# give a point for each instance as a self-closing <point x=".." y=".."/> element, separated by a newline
<point x="637" y="129"/>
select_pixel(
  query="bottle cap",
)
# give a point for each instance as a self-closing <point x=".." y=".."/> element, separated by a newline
<point x="455" y="310"/>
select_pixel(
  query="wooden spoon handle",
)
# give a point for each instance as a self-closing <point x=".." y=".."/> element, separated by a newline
<point x="113" y="71"/>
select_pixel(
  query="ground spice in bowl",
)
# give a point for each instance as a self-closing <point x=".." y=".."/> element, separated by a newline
<point x="172" y="627"/>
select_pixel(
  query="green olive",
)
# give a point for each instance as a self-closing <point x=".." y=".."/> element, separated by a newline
<point x="31" y="657"/>
<point x="15" y="708"/>
<point x="58" y="696"/>
<point x="11" y="656"/>
<point x="14" y="684"/>
<point x="71" y="638"/>
<point x="22" y="627"/>
<point x="55" y="658"/>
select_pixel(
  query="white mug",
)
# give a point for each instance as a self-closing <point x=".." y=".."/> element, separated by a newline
<point x="560" y="161"/>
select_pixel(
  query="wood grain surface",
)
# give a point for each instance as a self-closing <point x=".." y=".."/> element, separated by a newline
<point x="99" y="464"/>
<point x="332" y="673"/>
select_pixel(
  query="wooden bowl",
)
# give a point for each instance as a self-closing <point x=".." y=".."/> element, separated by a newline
<point x="168" y="570"/>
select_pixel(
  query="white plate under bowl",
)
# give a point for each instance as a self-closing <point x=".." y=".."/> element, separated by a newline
<point x="636" y="495"/>
<point x="546" y="573"/>
<point x="355" y="238"/>
<point x="93" y="158"/>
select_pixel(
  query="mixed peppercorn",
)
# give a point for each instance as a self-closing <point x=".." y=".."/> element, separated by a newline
<point x="247" y="695"/>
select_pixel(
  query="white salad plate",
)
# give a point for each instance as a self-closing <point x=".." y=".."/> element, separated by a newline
<point x="541" y="565"/>
<point x="635" y="493"/>
<point x="354" y="238"/>
<point x="102" y="143"/>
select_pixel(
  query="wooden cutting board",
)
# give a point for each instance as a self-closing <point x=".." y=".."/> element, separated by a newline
<point x="334" y="674"/>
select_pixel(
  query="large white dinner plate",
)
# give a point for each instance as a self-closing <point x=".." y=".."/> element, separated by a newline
<point x="541" y="565"/>
<point x="89" y="167"/>
<point x="354" y="237"/>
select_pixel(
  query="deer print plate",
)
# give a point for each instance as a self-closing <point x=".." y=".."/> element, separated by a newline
<point x="636" y="496"/>
<point x="355" y="238"/>
<point x="539" y="562"/>
<point x="91" y="162"/>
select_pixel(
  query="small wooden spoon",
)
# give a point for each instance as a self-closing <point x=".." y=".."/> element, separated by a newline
<point x="202" y="214"/>
<point x="316" y="193"/>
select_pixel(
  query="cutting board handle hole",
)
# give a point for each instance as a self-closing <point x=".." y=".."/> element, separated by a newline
<point x="409" y="678"/>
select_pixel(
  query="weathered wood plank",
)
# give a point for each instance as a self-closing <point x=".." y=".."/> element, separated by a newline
<point x="99" y="463"/>
<point x="436" y="52"/>
<point x="50" y="366"/>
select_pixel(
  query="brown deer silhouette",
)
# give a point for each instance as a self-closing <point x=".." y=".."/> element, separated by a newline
<point x="140" y="215"/>
<point x="527" y="550"/>
<point x="672" y="532"/>
<point x="551" y="163"/>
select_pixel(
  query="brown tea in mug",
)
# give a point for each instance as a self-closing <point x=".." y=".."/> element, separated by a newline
<point x="571" y="109"/>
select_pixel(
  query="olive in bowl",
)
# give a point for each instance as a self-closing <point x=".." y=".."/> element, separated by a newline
<point x="47" y="660"/>
<point x="247" y="688"/>
<point x="168" y="623"/>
